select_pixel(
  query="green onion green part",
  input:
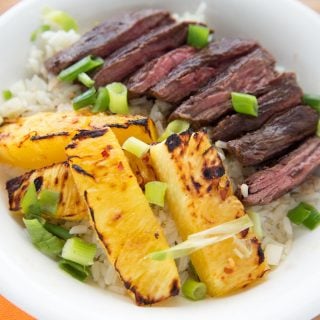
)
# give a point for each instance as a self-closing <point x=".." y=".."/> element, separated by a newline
<point x="85" y="80"/>
<point x="118" y="95"/>
<point x="136" y="147"/>
<point x="312" y="100"/>
<point x="313" y="221"/>
<point x="29" y="203"/>
<point x="58" y="231"/>
<point x="87" y="98"/>
<point x="84" y="65"/>
<point x="76" y="270"/>
<point x="102" y="101"/>
<point x="42" y="239"/>
<point x="155" y="192"/>
<point x="299" y="214"/>
<point x="49" y="201"/>
<point x="194" y="290"/>
<point x="175" y="126"/>
<point x="244" y="103"/>
<point x="79" y="251"/>
<point x="318" y="129"/>
<point x="198" y="36"/>
<point x="38" y="31"/>
<point x="257" y="226"/>
<point x="60" y="19"/>
<point x="7" y="95"/>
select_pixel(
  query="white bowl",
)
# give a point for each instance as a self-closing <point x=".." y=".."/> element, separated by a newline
<point x="32" y="281"/>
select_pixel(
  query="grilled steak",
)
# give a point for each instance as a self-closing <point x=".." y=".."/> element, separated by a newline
<point x="157" y="69"/>
<point x="279" y="95"/>
<point x="270" y="184"/>
<point x="195" y="72"/>
<point x="109" y="36"/>
<point x="275" y="136"/>
<point x="213" y="101"/>
<point x="131" y="57"/>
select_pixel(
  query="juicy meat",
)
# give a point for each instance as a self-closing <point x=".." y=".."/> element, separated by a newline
<point x="109" y="36"/>
<point x="157" y="69"/>
<point x="195" y="72"/>
<point x="246" y="74"/>
<point x="131" y="57"/>
<point x="275" y="136"/>
<point x="270" y="184"/>
<point x="279" y="95"/>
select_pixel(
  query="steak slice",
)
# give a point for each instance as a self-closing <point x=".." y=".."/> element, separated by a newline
<point x="109" y="36"/>
<point x="195" y="72"/>
<point x="246" y="74"/>
<point x="275" y="136"/>
<point x="279" y="95"/>
<point x="291" y="171"/>
<point x="131" y="57"/>
<point x="157" y="69"/>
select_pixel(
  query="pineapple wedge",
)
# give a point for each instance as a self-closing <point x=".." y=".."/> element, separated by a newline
<point x="200" y="196"/>
<point x="56" y="178"/>
<point x="39" y="140"/>
<point x="122" y="216"/>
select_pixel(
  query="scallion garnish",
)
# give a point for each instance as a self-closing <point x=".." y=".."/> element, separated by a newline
<point x="85" y="80"/>
<point x="38" y="31"/>
<point x="57" y="231"/>
<point x="49" y="201"/>
<point x="76" y="270"/>
<point x="84" y="65"/>
<point x="313" y="221"/>
<point x="136" y="146"/>
<point x="118" y="95"/>
<point x="79" y="251"/>
<point x="29" y="203"/>
<point x="7" y="95"/>
<point x="299" y="214"/>
<point x="102" y="101"/>
<point x="203" y="239"/>
<point x="312" y="100"/>
<point x="87" y="98"/>
<point x="194" y="290"/>
<point x="175" y="126"/>
<point x="155" y="192"/>
<point x="244" y="103"/>
<point x="43" y="239"/>
<point x="257" y="227"/>
<point x="60" y="19"/>
<point x="198" y="36"/>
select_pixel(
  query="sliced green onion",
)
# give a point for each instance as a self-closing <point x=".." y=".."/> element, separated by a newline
<point x="58" y="231"/>
<point x="29" y="203"/>
<point x="318" y="128"/>
<point x="38" y="31"/>
<point x="155" y="192"/>
<point x="88" y="98"/>
<point x="312" y="100"/>
<point x="79" y="251"/>
<point x="118" y="95"/>
<point x="7" y="95"/>
<point x="203" y="239"/>
<point x="257" y="226"/>
<point x="244" y="103"/>
<point x="198" y="36"/>
<point x="136" y="147"/>
<point x="313" y="221"/>
<point x="175" y="126"/>
<point x="49" y="201"/>
<point x="60" y="19"/>
<point x="76" y="270"/>
<point x="85" y="80"/>
<point x="299" y="214"/>
<point x="84" y="65"/>
<point x="102" y="102"/>
<point x="194" y="290"/>
<point x="42" y="239"/>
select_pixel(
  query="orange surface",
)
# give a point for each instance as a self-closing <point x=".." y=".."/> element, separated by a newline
<point x="10" y="312"/>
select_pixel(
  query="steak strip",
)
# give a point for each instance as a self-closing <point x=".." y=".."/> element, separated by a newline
<point x="195" y="72"/>
<point x="275" y="136"/>
<point x="131" y="57"/>
<point x="109" y="36"/>
<point x="157" y="69"/>
<point x="270" y="184"/>
<point x="246" y="74"/>
<point x="279" y="95"/>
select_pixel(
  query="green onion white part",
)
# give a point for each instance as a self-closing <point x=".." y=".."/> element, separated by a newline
<point x="175" y="126"/>
<point x="136" y="147"/>
<point x="194" y="290"/>
<point x="257" y="225"/>
<point x="118" y="95"/>
<point x="59" y="19"/>
<point x="49" y="201"/>
<point x="85" y="80"/>
<point x="155" y="192"/>
<point x="273" y="253"/>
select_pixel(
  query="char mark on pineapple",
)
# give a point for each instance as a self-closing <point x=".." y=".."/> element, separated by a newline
<point x="49" y="136"/>
<point x="84" y="134"/>
<point x="80" y="170"/>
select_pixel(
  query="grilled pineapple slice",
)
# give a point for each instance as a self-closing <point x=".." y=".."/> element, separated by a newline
<point x="56" y="178"/>
<point x="122" y="216"/>
<point x="39" y="140"/>
<point x="199" y="197"/>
